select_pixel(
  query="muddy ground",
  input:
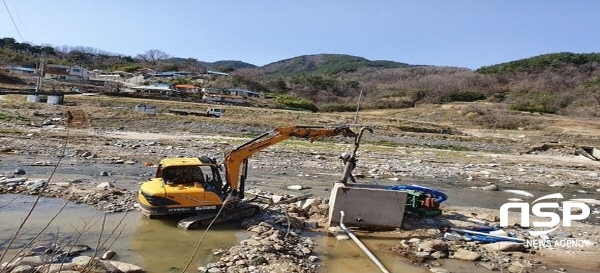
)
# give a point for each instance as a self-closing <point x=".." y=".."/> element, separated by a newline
<point x="123" y="150"/>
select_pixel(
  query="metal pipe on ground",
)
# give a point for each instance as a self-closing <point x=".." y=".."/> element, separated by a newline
<point x="512" y="239"/>
<point x="361" y="245"/>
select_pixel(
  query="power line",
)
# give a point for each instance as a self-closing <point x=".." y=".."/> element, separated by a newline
<point x="12" y="20"/>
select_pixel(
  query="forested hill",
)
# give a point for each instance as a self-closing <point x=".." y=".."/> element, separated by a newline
<point x="324" y="64"/>
<point x="558" y="62"/>
<point x="551" y="83"/>
<point x="564" y="83"/>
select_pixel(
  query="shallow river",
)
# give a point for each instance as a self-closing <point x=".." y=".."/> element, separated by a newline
<point x="158" y="246"/>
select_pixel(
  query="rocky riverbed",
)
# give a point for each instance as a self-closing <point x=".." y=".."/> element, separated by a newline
<point x="104" y="168"/>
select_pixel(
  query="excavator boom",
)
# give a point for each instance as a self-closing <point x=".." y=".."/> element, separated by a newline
<point x="239" y="156"/>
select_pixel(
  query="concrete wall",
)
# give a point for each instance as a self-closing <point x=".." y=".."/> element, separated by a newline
<point x="376" y="207"/>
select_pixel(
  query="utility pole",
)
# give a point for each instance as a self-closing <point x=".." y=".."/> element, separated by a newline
<point x="358" y="107"/>
<point x="40" y="78"/>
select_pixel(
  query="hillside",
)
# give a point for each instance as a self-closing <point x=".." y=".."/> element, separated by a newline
<point x="563" y="83"/>
<point x="323" y="64"/>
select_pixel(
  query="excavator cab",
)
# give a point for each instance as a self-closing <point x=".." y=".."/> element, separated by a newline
<point x="182" y="185"/>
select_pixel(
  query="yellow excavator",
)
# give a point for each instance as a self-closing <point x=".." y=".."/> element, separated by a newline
<point x="194" y="185"/>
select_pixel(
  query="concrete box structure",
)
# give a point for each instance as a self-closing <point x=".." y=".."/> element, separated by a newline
<point x="366" y="206"/>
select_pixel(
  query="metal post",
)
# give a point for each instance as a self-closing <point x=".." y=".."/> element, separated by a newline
<point x="361" y="245"/>
<point x="358" y="107"/>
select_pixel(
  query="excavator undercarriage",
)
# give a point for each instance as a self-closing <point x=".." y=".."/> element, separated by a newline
<point x="241" y="210"/>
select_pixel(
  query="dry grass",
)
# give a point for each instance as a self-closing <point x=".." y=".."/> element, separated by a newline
<point x="489" y="120"/>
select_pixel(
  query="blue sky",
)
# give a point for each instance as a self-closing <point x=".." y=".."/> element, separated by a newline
<point x="462" y="33"/>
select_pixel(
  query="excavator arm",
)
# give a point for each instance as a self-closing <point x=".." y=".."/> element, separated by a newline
<point x="236" y="161"/>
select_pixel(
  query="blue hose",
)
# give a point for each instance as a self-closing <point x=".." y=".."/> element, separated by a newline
<point x="440" y="196"/>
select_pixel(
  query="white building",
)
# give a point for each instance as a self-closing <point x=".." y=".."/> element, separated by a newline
<point x="65" y="72"/>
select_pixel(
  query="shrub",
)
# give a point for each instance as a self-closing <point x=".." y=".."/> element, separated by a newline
<point x="390" y="104"/>
<point x="467" y="96"/>
<point x="296" y="103"/>
<point x="337" y="107"/>
<point x="533" y="106"/>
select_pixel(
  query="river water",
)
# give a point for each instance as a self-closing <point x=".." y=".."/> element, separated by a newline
<point x="155" y="245"/>
<point x="158" y="246"/>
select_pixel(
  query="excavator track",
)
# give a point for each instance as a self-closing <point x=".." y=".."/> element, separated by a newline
<point x="240" y="211"/>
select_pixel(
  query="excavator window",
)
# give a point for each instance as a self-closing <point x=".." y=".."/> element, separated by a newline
<point x="183" y="175"/>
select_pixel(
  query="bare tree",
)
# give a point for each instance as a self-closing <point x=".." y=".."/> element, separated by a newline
<point x="153" y="56"/>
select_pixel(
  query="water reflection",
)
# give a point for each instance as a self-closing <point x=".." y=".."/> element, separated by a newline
<point x="341" y="256"/>
<point x="160" y="246"/>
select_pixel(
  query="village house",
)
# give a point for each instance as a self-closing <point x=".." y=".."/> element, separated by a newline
<point x="156" y="88"/>
<point x="109" y="75"/>
<point x="228" y="95"/>
<point x="65" y="72"/>
<point x="210" y="72"/>
<point x="222" y="98"/>
<point x="243" y="93"/>
<point x="19" y="70"/>
<point x="187" y="88"/>
<point x="170" y="74"/>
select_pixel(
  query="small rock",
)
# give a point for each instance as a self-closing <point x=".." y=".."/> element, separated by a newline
<point x="276" y="198"/>
<point x="489" y="266"/>
<point x="576" y="210"/>
<point x="452" y="236"/>
<point x="62" y="184"/>
<point x="433" y="245"/>
<point x="306" y="203"/>
<point x="414" y="241"/>
<point x="30" y="260"/>
<point x="491" y="187"/>
<point x="466" y="255"/>
<point x="422" y="254"/>
<point x="438" y="255"/>
<point x="57" y="267"/>
<point x="23" y="269"/>
<point x="515" y="268"/>
<point x="105" y="186"/>
<point x="126" y="268"/>
<point x="108" y="255"/>
<point x="490" y="217"/>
